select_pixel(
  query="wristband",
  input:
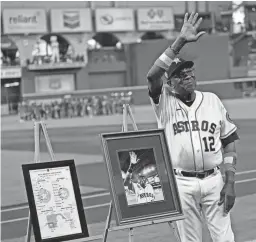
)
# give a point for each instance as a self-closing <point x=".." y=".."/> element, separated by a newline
<point x="131" y="168"/>
<point x="230" y="161"/>
<point x="165" y="60"/>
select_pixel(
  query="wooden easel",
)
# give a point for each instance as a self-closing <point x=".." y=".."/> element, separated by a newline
<point x="127" y="111"/>
<point x="40" y="127"/>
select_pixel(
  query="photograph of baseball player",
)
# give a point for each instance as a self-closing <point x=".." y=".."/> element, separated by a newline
<point x="141" y="179"/>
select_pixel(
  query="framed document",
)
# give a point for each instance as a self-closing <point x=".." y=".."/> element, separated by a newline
<point x="142" y="180"/>
<point x="55" y="201"/>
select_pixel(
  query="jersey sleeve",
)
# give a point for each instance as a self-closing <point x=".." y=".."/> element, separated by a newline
<point x="230" y="139"/>
<point x="228" y="126"/>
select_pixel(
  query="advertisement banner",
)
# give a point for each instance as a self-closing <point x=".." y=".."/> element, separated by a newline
<point x="54" y="83"/>
<point x="71" y="20"/>
<point x="24" y="21"/>
<point x="114" y="20"/>
<point x="9" y="73"/>
<point x="153" y="19"/>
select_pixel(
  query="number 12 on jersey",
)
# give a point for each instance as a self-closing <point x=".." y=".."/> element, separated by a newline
<point x="209" y="144"/>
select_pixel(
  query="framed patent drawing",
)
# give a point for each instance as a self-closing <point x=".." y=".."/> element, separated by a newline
<point x="142" y="181"/>
<point x="55" y="201"/>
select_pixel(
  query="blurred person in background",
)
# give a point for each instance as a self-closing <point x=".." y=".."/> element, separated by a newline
<point x="94" y="105"/>
<point x="79" y="107"/>
<point x="70" y="108"/>
<point x="84" y="106"/>
<point x="21" y="111"/>
<point x="119" y="101"/>
<point x="90" y="107"/>
<point x="42" y="111"/>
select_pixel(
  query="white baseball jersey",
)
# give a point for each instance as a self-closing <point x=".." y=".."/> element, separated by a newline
<point x="194" y="133"/>
<point x="144" y="195"/>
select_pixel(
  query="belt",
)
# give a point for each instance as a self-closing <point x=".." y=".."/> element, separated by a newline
<point x="200" y="175"/>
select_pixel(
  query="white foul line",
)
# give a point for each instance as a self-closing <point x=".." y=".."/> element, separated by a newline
<point x="83" y="197"/>
<point x="101" y="205"/>
<point x="107" y="193"/>
<point x="246" y="180"/>
<point x="26" y="218"/>
<point x="245" y="172"/>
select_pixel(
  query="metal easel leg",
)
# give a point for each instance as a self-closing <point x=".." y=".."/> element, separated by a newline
<point x="173" y="225"/>
<point x="174" y="228"/>
<point x="124" y="129"/>
<point x="48" y="142"/>
<point x="29" y="228"/>
<point x="37" y="131"/>
<point x="129" y="110"/>
<point x="125" y="114"/>
<point x="131" y="235"/>
<point x="108" y="222"/>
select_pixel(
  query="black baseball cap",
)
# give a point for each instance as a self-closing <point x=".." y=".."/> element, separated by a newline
<point x="177" y="65"/>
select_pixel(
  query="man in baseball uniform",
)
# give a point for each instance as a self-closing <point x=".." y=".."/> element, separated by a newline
<point x="143" y="190"/>
<point x="198" y="128"/>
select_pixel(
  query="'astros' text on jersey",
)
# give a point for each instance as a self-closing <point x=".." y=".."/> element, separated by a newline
<point x="144" y="195"/>
<point x="194" y="133"/>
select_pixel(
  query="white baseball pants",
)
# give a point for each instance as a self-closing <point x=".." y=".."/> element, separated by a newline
<point x="199" y="199"/>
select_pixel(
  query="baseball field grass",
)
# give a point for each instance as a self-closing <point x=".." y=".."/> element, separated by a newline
<point x="79" y="139"/>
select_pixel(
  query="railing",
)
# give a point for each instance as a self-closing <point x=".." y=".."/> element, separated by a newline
<point x="226" y="89"/>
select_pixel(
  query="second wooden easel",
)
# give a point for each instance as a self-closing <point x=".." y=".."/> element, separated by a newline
<point x="127" y="112"/>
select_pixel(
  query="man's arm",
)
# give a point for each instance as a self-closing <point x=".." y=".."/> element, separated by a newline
<point x="187" y="34"/>
<point x="161" y="65"/>
<point x="230" y="161"/>
<point x="133" y="160"/>
<point x="227" y="194"/>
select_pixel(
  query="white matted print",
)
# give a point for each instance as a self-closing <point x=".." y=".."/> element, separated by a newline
<point x="140" y="176"/>
<point x="55" y="202"/>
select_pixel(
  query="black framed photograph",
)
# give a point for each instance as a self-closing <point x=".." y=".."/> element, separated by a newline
<point x="55" y="201"/>
<point x="142" y="181"/>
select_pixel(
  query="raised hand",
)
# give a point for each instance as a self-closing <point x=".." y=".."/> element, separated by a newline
<point x="133" y="157"/>
<point x="189" y="29"/>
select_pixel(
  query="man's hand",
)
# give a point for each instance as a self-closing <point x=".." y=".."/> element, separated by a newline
<point x="189" y="29"/>
<point x="133" y="157"/>
<point x="227" y="196"/>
